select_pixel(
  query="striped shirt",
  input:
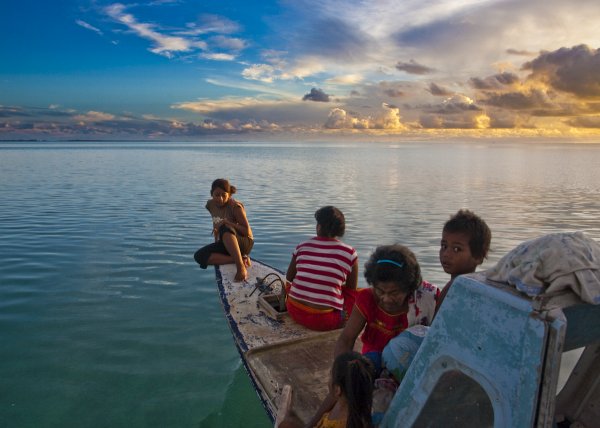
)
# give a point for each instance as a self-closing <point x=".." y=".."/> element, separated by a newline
<point x="322" y="267"/>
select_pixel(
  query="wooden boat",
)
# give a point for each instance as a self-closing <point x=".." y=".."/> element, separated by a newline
<point x="490" y="359"/>
<point x="274" y="349"/>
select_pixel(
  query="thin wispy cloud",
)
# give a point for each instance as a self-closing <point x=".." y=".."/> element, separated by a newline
<point x="88" y="26"/>
<point x="163" y="44"/>
<point x="218" y="56"/>
<point x="210" y="24"/>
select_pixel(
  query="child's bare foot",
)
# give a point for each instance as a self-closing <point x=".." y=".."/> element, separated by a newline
<point x="247" y="261"/>
<point x="241" y="274"/>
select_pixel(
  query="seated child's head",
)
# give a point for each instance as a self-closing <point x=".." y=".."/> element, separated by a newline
<point x="352" y="378"/>
<point x="330" y="222"/>
<point x="465" y="243"/>
<point x="223" y="185"/>
<point x="394" y="274"/>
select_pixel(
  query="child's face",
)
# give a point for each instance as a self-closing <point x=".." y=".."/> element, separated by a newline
<point x="220" y="196"/>
<point x="455" y="254"/>
<point x="389" y="297"/>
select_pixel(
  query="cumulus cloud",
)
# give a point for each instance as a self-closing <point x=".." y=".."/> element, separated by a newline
<point x="261" y="72"/>
<point x="316" y="95"/>
<point x="276" y="68"/>
<point x="455" y="112"/>
<point x="457" y="103"/>
<point x="387" y="119"/>
<point x="412" y="67"/>
<point x="575" y="70"/>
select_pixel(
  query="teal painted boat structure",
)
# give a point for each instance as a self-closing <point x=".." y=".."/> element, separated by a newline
<point x="492" y="358"/>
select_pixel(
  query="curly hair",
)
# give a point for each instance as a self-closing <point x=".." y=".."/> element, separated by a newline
<point x="394" y="263"/>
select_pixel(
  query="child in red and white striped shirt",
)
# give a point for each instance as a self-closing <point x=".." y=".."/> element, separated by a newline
<point x="323" y="275"/>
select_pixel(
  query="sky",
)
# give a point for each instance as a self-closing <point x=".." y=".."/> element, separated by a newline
<point x="299" y="69"/>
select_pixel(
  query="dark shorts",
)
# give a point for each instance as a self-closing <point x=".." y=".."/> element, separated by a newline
<point x="201" y="256"/>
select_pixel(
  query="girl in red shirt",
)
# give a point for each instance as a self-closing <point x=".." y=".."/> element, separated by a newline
<point x="397" y="299"/>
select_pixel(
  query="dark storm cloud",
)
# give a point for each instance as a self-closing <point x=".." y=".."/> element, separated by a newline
<point x="437" y="90"/>
<point x="316" y="95"/>
<point x="412" y="67"/>
<point x="518" y="100"/>
<point x="575" y="70"/>
<point x="494" y="82"/>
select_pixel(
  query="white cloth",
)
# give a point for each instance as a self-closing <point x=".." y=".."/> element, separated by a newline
<point x="552" y="263"/>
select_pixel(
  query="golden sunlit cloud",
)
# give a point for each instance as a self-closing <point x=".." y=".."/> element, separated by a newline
<point x="93" y="116"/>
<point x="348" y="79"/>
<point x="226" y="104"/>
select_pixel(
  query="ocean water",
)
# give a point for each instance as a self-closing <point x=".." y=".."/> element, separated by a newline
<point x="106" y="320"/>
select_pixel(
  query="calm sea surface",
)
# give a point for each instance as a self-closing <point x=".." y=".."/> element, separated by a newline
<point x="106" y="320"/>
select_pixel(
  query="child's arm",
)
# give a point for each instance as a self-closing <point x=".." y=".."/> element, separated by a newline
<point x="325" y="406"/>
<point x="291" y="270"/>
<point x="352" y="279"/>
<point x="441" y="297"/>
<point x="351" y="330"/>
<point x="241" y="225"/>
